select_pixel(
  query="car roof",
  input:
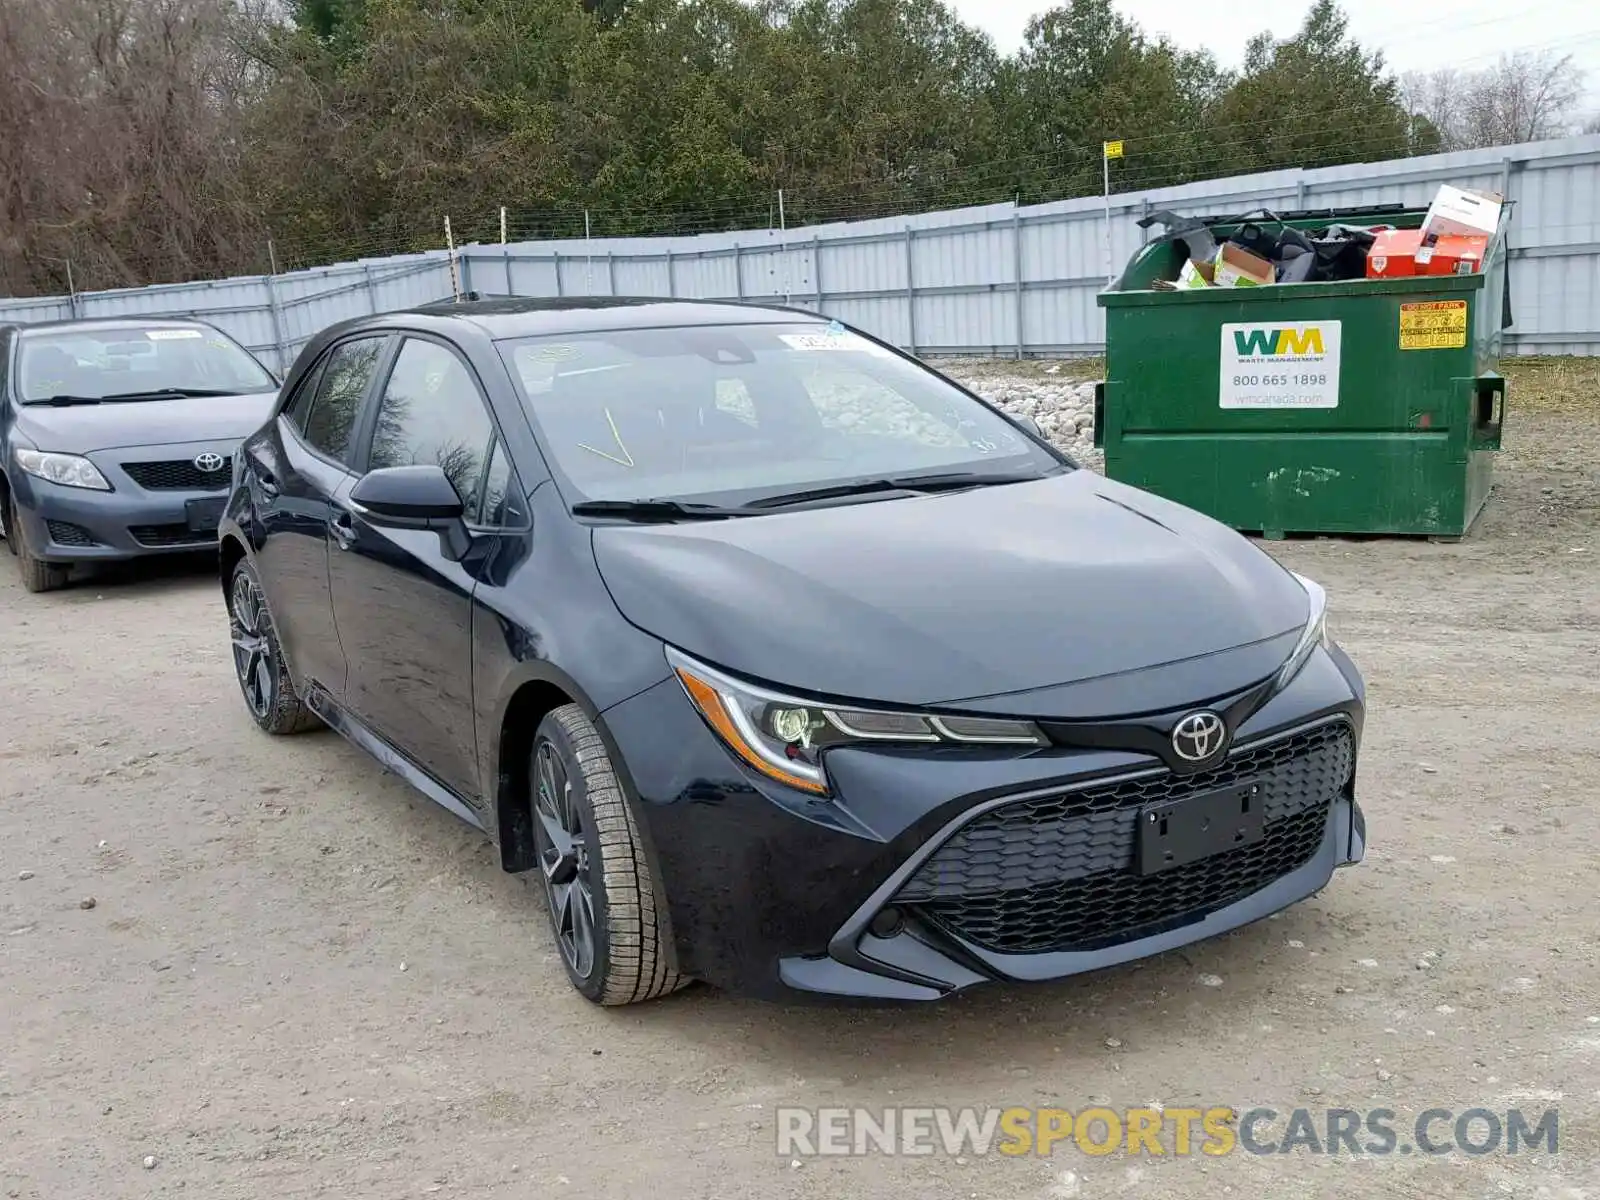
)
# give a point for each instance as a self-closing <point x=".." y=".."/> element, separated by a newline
<point x="110" y="325"/>
<point x="524" y="316"/>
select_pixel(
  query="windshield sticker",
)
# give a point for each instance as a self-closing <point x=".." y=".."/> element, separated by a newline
<point x="552" y="354"/>
<point x="172" y="335"/>
<point x="843" y="340"/>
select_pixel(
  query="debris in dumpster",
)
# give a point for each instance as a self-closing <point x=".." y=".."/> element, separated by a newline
<point x="1197" y="275"/>
<point x="1400" y="252"/>
<point x="1237" y="267"/>
<point x="1457" y="211"/>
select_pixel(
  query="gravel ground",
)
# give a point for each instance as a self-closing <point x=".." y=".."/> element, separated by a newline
<point x="297" y="978"/>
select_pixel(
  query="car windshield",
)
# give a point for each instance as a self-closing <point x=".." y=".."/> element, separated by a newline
<point x="152" y="362"/>
<point x="728" y="414"/>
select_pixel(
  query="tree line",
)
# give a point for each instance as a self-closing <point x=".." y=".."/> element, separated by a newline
<point x="159" y="140"/>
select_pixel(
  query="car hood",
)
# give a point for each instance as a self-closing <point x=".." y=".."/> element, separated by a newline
<point x="940" y="599"/>
<point x="85" y="428"/>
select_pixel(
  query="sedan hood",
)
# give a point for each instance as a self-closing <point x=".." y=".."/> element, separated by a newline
<point x="940" y="599"/>
<point x="121" y="425"/>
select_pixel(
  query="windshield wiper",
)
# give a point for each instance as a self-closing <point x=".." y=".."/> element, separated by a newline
<point x="947" y="481"/>
<point x="64" y="401"/>
<point x="164" y="393"/>
<point x="655" y="510"/>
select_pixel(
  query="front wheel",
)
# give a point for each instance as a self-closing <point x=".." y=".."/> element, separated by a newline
<point x="602" y="902"/>
<point x="37" y="575"/>
<point x="258" y="659"/>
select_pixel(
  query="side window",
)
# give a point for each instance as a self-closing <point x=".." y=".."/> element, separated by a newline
<point x="300" y="403"/>
<point x="337" y="401"/>
<point x="432" y="413"/>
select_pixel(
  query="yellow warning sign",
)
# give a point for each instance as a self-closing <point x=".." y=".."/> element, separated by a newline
<point x="1433" y="325"/>
<point x="1113" y="149"/>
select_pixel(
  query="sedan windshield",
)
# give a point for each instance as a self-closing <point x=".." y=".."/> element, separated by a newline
<point x="87" y="366"/>
<point x="742" y="414"/>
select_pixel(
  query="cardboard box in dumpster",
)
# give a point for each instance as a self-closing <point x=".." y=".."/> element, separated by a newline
<point x="1456" y="210"/>
<point x="1237" y="267"/>
<point x="1196" y="275"/>
<point x="1398" y="253"/>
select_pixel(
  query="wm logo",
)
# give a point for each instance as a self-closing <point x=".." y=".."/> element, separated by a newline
<point x="1278" y="341"/>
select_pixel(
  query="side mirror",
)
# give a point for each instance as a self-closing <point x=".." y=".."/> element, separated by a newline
<point x="1030" y="425"/>
<point x="418" y="497"/>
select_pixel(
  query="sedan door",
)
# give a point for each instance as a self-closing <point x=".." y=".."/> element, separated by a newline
<point x="300" y="468"/>
<point x="403" y="608"/>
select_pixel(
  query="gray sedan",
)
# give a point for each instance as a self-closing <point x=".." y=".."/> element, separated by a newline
<point x="117" y="438"/>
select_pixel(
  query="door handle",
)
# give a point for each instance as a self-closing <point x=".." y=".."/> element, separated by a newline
<point x="343" y="528"/>
<point x="267" y="481"/>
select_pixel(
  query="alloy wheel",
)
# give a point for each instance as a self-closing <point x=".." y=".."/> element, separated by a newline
<point x="252" y="648"/>
<point x="564" y="859"/>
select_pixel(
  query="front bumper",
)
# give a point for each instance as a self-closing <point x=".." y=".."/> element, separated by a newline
<point x="902" y="888"/>
<point x="75" y="525"/>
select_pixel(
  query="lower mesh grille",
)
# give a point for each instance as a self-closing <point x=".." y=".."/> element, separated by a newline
<point x="65" y="533"/>
<point x="1057" y="872"/>
<point x="169" y="535"/>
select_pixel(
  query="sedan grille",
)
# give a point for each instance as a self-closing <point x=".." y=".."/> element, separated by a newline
<point x="156" y="536"/>
<point x="1057" y="872"/>
<point x="179" y="475"/>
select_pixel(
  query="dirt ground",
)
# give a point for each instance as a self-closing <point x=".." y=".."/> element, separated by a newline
<point x="298" y="978"/>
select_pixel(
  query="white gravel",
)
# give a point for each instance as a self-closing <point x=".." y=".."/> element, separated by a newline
<point x="1065" y="411"/>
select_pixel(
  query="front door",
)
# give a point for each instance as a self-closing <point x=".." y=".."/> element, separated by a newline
<point x="301" y="466"/>
<point x="404" y="609"/>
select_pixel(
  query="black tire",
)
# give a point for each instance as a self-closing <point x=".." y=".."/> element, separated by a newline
<point x="576" y="798"/>
<point x="37" y="576"/>
<point x="258" y="665"/>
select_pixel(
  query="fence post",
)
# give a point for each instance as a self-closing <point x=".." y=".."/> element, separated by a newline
<point x="372" y="290"/>
<point x="505" y="252"/>
<point x="611" y="272"/>
<point x="1016" y="254"/>
<point x="279" y="342"/>
<point x="911" y="293"/>
<point x="816" y="269"/>
<point x="672" y="283"/>
<point x="738" y="272"/>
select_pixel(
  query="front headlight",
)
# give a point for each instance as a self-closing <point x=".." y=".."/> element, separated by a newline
<point x="1313" y="635"/>
<point x="784" y="737"/>
<point x="69" y="470"/>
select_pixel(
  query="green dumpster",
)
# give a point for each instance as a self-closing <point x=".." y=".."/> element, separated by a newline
<point x="1367" y="406"/>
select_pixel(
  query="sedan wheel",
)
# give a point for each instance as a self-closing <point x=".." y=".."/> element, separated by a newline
<point x="258" y="659"/>
<point x="597" y="883"/>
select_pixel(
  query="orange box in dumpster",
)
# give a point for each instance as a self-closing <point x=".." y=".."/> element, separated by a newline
<point x="1400" y="252"/>
<point x="1393" y="253"/>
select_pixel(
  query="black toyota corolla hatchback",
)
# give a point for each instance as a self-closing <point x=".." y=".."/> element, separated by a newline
<point x="787" y="663"/>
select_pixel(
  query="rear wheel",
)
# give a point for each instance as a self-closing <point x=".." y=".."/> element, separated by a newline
<point x="258" y="659"/>
<point x="602" y="902"/>
<point x="37" y="575"/>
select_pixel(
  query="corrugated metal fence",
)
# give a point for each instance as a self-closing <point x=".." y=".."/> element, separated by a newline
<point x="996" y="280"/>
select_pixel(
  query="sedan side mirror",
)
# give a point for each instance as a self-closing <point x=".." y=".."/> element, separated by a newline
<point x="417" y="497"/>
<point x="1030" y="425"/>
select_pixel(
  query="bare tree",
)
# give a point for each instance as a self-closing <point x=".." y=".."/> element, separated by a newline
<point x="1524" y="98"/>
<point x="119" y="120"/>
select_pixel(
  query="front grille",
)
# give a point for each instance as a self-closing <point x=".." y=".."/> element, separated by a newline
<point x="65" y="533"/>
<point x="1056" y="872"/>
<point x="179" y="475"/>
<point x="156" y="536"/>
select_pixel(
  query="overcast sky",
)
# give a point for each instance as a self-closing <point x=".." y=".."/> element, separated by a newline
<point x="1465" y="33"/>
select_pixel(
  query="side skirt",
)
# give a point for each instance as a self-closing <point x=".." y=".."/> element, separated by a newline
<point x="352" y="730"/>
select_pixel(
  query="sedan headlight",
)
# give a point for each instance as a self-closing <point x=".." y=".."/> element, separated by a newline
<point x="1313" y="635"/>
<point x="69" y="470"/>
<point x="784" y="737"/>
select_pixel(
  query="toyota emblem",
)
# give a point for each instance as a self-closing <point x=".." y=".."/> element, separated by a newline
<point x="1199" y="736"/>
<point x="209" y="462"/>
